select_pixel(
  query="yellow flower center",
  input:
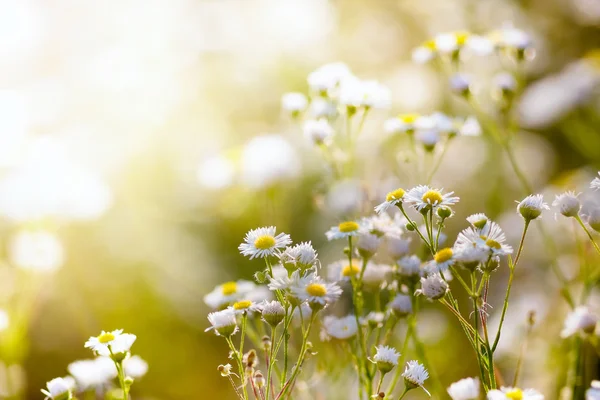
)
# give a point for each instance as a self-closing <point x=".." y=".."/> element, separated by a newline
<point x="443" y="255"/>
<point x="430" y="44"/>
<point x="409" y="118"/>
<point x="229" y="288"/>
<point x="316" y="289"/>
<point x="106" y="337"/>
<point x="432" y="197"/>
<point x="461" y="37"/>
<point x="348" y="226"/>
<point x="350" y="270"/>
<point x="493" y="244"/>
<point x="264" y="242"/>
<point x="242" y="305"/>
<point x="395" y="195"/>
<point x="515" y="394"/>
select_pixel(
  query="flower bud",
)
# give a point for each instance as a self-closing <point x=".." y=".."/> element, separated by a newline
<point x="433" y="287"/>
<point x="568" y="204"/>
<point x="444" y="212"/>
<point x="273" y="313"/>
<point x="259" y="380"/>
<point x="531" y="207"/>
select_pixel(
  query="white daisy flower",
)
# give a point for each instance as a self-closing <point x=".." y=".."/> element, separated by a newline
<point x="318" y="131"/>
<point x="284" y="282"/>
<point x="531" y="207"/>
<point x="478" y="220"/>
<point x="343" y="230"/>
<point x="95" y="373"/>
<point x="465" y="389"/>
<point x="433" y="287"/>
<point x="397" y="247"/>
<point x="593" y="393"/>
<point x="135" y="367"/>
<point x="460" y="84"/>
<point x="373" y="319"/>
<point x="415" y="375"/>
<point x="581" y="319"/>
<point x="480" y="45"/>
<point x="223" y="322"/>
<point x="376" y="95"/>
<point x="376" y="274"/>
<point x="514" y="38"/>
<point x="328" y="77"/>
<point x="593" y="219"/>
<point x="442" y="260"/>
<point x="36" y="250"/>
<point x="505" y="83"/>
<point x="595" y="183"/>
<point x="121" y="344"/>
<point x="243" y="307"/>
<point x="382" y="225"/>
<point x="410" y="267"/>
<point x="450" y="43"/>
<point x="302" y="255"/>
<point x="429" y="138"/>
<point x="510" y="393"/>
<point x="228" y="292"/>
<point x="57" y="389"/>
<point x="424" y="53"/>
<point x="470" y="127"/>
<point x="315" y="291"/>
<point x="471" y="256"/>
<point x="4" y="320"/>
<point x="424" y="197"/>
<point x="392" y="199"/>
<point x="401" y="305"/>
<point x="339" y="328"/>
<point x="100" y="344"/>
<point x="386" y="358"/>
<point x="491" y="238"/>
<point x="272" y="313"/>
<point x="393" y="126"/>
<point x="568" y="204"/>
<point x="322" y="108"/>
<point x="342" y="271"/>
<point x="263" y="242"/>
<point x="368" y="244"/>
<point x="294" y="102"/>
<point x="408" y="122"/>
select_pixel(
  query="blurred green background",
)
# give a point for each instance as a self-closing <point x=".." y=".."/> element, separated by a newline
<point x="112" y="113"/>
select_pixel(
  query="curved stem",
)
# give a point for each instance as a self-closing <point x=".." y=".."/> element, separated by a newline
<point x="589" y="234"/>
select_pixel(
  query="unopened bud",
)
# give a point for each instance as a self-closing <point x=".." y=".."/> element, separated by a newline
<point x="259" y="379"/>
<point x="250" y="359"/>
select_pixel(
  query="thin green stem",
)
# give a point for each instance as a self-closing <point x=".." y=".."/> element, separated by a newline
<point x="238" y="358"/>
<point x="271" y="361"/>
<point x="410" y="221"/>
<point x="406" y="389"/>
<point x="476" y="326"/>
<point x="578" y="219"/>
<point x="438" y="161"/>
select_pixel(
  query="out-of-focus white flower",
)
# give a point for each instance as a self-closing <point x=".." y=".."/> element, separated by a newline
<point x="465" y="389"/>
<point x="223" y="322"/>
<point x="267" y="160"/>
<point x="343" y="230"/>
<point x="376" y="95"/>
<point x="93" y="373"/>
<point x="294" y="102"/>
<point x="415" y="374"/>
<point x="263" y="242"/>
<point x="401" y="305"/>
<point x="284" y="282"/>
<point x="386" y="358"/>
<point x="428" y="138"/>
<point x="581" y="319"/>
<point x="108" y="343"/>
<point x="531" y="207"/>
<point x="568" y="204"/>
<point x="228" y="292"/>
<point x="345" y="197"/>
<point x="375" y="274"/>
<point x="410" y="267"/>
<point x="342" y="271"/>
<point x="433" y="287"/>
<point x="512" y="38"/>
<point x="382" y="226"/>
<point x="315" y="291"/>
<point x="451" y="42"/>
<point x="470" y="127"/>
<point x="422" y="196"/>
<point x="397" y="247"/>
<point x="328" y="77"/>
<point x="57" y="389"/>
<point x="4" y="320"/>
<point x="471" y="256"/>
<point x="243" y="307"/>
<point x="424" y="53"/>
<point x="339" y="328"/>
<point x="369" y="94"/>
<point x="593" y="393"/>
<point x="302" y="255"/>
<point x="216" y="172"/>
<point x="595" y="183"/>
<point x="36" y="250"/>
<point x="460" y="84"/>
<point x="510" y="393"/>
<point x="135" y="367"/>
<point x="368" y="244"/>
<point x="480" y="45"/>
<point x="505" y="82"/>
<point x="322" y="108"/>
<point x="593" y="219"/>
<point x="318" y="131"/>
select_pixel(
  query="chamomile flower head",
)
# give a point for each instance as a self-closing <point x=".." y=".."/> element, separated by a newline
<point x="316" y="292"/>
<point x="595" y="183"/>
<point x="452" y="42"/>
<point x="568" y="204"/>
<point x="382" y="225"/>
<point x="531" y="207"/>
<point x="273" y="312"/>
<point x="228" y="292"/>
<point x="465" y="389"/>
<point x="424" y="197"/>
<point x="328" y="77"/>
<point x="593" y="219"/>
<point x="243" y="307"/>
<point x="294" y="102"/>
<point x="386" y="358"/>
<point x="393" y="126"/>
<point x="434" y="287"/>
<point x="57" y="389"/>
<point x="512" y="393"/>
<point x="505" y="83"/>
<point x="284" y="282"/>
<point x="100" y="344"/>
<point x="318" y="131"/>
<point x="442" y="260"/>
<point x="425" y="52"/>
<point x="410" y="267"/>
<point x="581" y="319"/>
<point x="375" y="275"/>
<point x="302" y="255"/>
<point x="343" y="230"/>
<point x="401" y="305"/>
<point x="514" y="40"/>
<point x="339" y="328"/>
<point x="460" y="84"/>
<point x="223" y="322"/>
<point x="393" y="198"/>
<point x="408" y="122"/>
<point x="121" y="345"/>
<point x="263" y="242"/>
<point x="135" y="367"/>
<point x="343" y="271"/>
<point x="593" y="393"/>
<point x="490" y="237"/>
<point x="478" y="220"/>
<point x="367" y="244"/>
<point x="373" y="319"/>
<point x="414" y="374"/>
<point x="471" y="256"/>
<point x="397" y="247"/>
<point x="429" y="138"/>
<point x="95" y="373"/>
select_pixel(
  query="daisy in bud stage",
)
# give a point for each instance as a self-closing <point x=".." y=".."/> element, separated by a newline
<point x="339" y="328"/>
<point x="58" y="389"/>
<point x="401" y="305"/>
<point x="302" y="255"/>
<point x="318" y="131"/>
<point x="223" y="322"/>
<point x="595" y="183"/>
<point x="316" y="292"/>
<point x="382" y="225"/>
<point x="478" y="221"/>
<point x="531" y="207"/>
<point x="581" y="319"/>
<point x="392" y="199"/>
<point x="415" y="375"/>
<point x="433" y="287"/>
<point x="593" y="219"/>
<point x="425" y="198"/>
<point x="263" y="242"/>
<point x="327" y="77"/>
<point x="368" y="244"/>
<point x="460" y="84"/>
<point x="386" y="358"/>
<point x="568" y="204"/>
<point x="294" y="103"/>
<point x="273" y="313"/>
<point x="510" y="393"/>
<point x="410" y="267"/>
<point x="343" y="230"/>
<point x="373" y="319"/>
<point x="228" y="293"/>
<point x="465" y="389"/>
